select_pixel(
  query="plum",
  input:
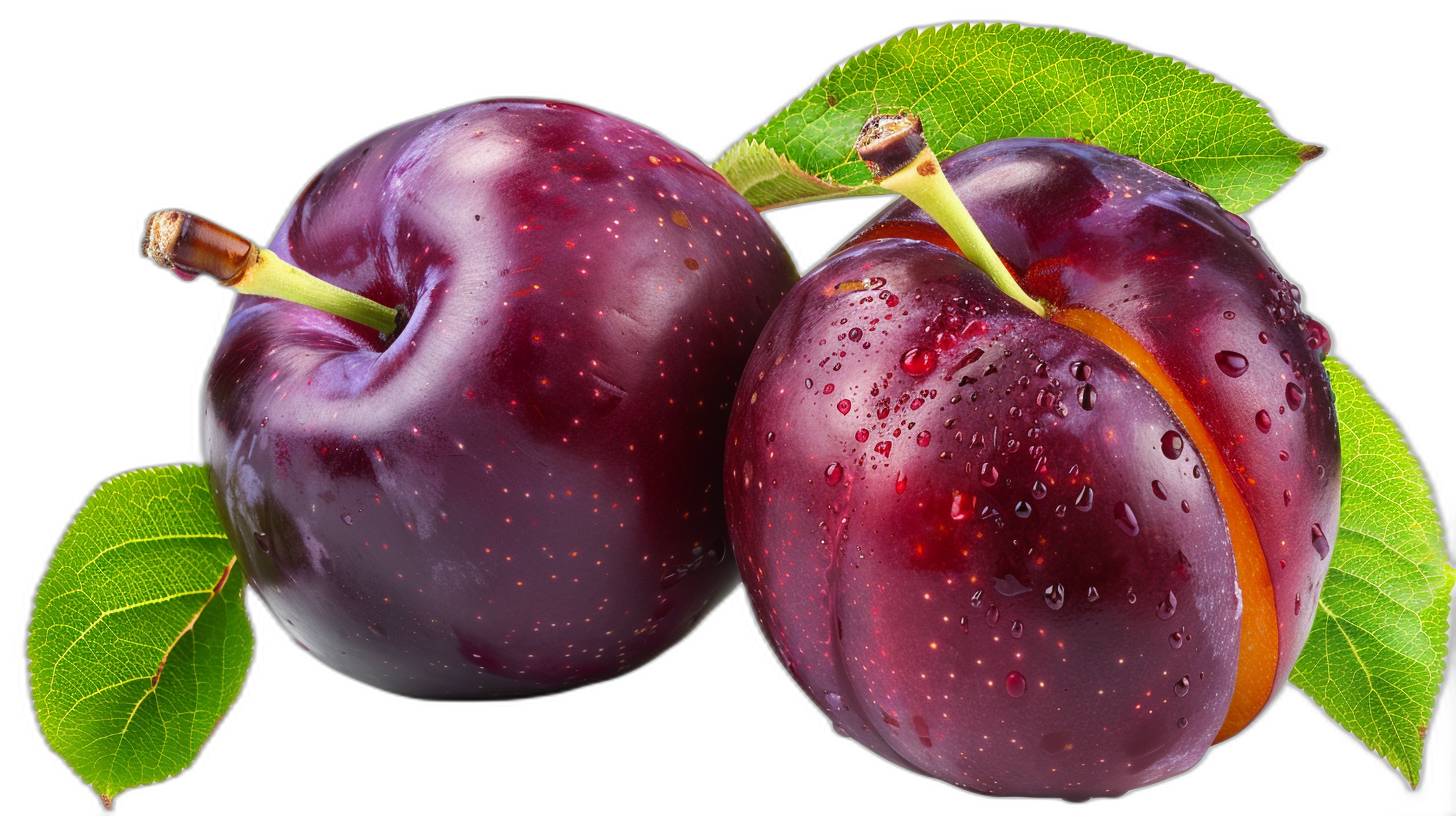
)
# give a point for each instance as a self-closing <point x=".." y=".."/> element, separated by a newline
<point x="518" y="491"/>
<point x="1027" y="555"/>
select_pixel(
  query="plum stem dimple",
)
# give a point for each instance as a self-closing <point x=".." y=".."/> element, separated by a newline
<point x="193" y="245"/>
<point x="895" y="149"/>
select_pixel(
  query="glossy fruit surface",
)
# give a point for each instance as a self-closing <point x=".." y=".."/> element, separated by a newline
<point x="1033" y="556"/>
<point x="520" y="492"/>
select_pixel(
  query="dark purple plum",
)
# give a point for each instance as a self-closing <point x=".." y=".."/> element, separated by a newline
<point x="519" y="492"/>
<point x="1039" y="556"/>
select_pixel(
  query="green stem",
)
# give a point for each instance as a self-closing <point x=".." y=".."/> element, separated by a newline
<point x="192" y="245"/>
<point x="895" y="146"/>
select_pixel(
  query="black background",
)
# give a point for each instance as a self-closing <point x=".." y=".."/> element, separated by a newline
<point x="108" y="356"/>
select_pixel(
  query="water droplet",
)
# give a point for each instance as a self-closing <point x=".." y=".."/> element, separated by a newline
<point x="966" y="624"/>
<point x="918" y="362"/>
<point x="1168" y="605"/>
<point x="1016" y="628"/>
<point x="883" y="448"/>
<point x="992" y="615"/>
<point x="900" y="483"/>
<point x="959" y="507"/>
<point x="1284" y="456"/>
<point x="1131" y="596"/>
<point x="923" y="439"/>
<point x="1083" y="501"/>
<point x="843" y="406"/>
<point x="1176" y="639"/>
<point x="862" y="435"/>
<point x="1092" y="595"/>
<point x="1055" y="595"/>
<point x="1182" y="722"/>
<point x="1186" y="508"/>
<point x="834" y="701"/>
<point x="1318" y="338"/>
<point x="264" y="423"/>
<point x="808" y="383"/>
<point x="347" y="519"/>
<point x="1022" y="509"/>
<point x="1086" y="396"/>
<point x="1015" y="684"/>
<point x="1321" y="544"/>
<point x="1264" y="338"/>
<point x="833" y="473"/>
<point x="1294" y="395"/>
<point x="989" y="474"/>
<point x="1297" y="603"/>
<point x="829" y="389"/>
<point x="1172" y="444"/>
<point x="976" y="598"/>
<point x="855" y="334"/>
<point x="1240" y="224"/>
<point x="1159" y="491"/>
<point x="261" y="539"/>
<point x="1228" y="315"/>
<point x="1125" y="518"/>
<point x="1197" y="471"/>
<point x="1263" y="421"/>
<point x="1180" y="688"/>
<point x="1231" y="363"/>
<point x="771" y="436"/>
<point x="1080" y="370"/>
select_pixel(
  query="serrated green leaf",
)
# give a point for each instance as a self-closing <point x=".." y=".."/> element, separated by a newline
<point x="1375" y="656"/>
<point x="973" y="84"/>
<point x="139" y="641"/>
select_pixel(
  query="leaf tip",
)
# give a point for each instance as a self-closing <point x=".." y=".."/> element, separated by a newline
<point x="105" y="800"/>
<point x="1308" y="152"/>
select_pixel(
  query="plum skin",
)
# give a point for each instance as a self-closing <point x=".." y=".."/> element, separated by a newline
<point x="520" y="492"/>
<point x="834" y="510"/>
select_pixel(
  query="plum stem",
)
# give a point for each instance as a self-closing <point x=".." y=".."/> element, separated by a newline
<point x="192" y="245"/>
<point x="894" y="148"/>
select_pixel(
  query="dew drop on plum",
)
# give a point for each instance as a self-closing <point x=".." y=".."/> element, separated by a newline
<point x="1318" y="338"/>
<point x="862" y="435"/>
<point x="1038" y="490"/>
<point x="923" y="439"/>
<point x="1022" y="509"/>
<point x="1092" y="594"/>
<point x="1231" y="363"/>
<point x="1318" y="540"/>
<point x="843" y="406"/>
<point x="1228" y="314"/>
<point x="1016" y="628"/>
<point x="1182" y="722"/>
<point x="1294" y="395"/>
<point x="966" y="624"/>
<point x="1086" y="396"/>
<point x="1126" y="520"/>
<point x="883" y="448"/>
<point x="347" y="519"/>
<point x="829" y="389"/>
<point x="958" y="506"/>
<point x="1172" y="444"/>
<point x="261" y="539"/>
<point x="808" y="383"/>
<point x="976" y="598"/>
<point x="1055" y="595"/>
<point x="1180" y="688"/>
<point x="1263" y="421"/>
<point x="833" y="473"/>
<point x="1080" y="370"/>
<point x="855" y="334"/>
<point x="1015" y="684"/>
<point x="989" y="474"/>
<point x="992" y="615"/>
<point x="1083" y="501"/>
<point x="1167" y="606"/>
<point x="918" y="362"/>
<point x="834" y="701"/>
<point x="1176" y="640"/>
<point x="1131" y="596"/>
<point x="1159" y="490"/>
<point x="900" y="483"/>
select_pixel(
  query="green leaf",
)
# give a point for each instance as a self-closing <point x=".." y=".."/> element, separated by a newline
<point x="139" y="641"/>
<point x="973" y="84"/>
<point x="1378" y="648"/>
